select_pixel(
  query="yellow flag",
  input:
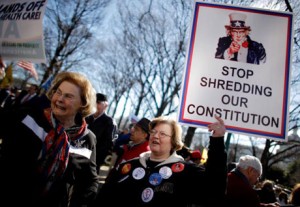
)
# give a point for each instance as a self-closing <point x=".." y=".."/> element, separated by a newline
<point x="8" y="78"/>
<point x="204" y="156"/>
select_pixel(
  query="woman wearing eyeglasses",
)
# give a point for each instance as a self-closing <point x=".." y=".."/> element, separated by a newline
<point x="160" y="177"/>
<point x="48" y="156"/>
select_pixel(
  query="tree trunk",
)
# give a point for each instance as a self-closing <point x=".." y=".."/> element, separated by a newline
<point x="189" y="136"/>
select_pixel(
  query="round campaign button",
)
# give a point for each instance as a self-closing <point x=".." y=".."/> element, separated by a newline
<point x="147" y="194"/>
<point x="138" y="173"/>
<point x="126" y="168"/>
<point x="165" y="172"/>
<point x="155" y="179"/>
<point x="177" y="167"/>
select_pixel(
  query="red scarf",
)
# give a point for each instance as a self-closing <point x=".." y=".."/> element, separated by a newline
<point x="54" y="156"/>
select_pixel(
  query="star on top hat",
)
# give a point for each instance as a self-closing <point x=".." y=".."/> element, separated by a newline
<point x="237" y="21"/>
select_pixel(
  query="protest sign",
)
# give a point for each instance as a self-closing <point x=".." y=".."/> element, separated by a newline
<point x="238" y="67"/>
<point x="21" y="30"/>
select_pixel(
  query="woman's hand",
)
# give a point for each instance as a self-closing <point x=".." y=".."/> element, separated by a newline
<point x="217" y="128"/>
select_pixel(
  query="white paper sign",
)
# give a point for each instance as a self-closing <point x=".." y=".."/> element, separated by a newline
<point x="21" y="30"/>
<point x="238" y="67"/>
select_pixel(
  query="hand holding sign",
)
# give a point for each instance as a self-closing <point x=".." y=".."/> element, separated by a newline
<point x="217" y="128"/>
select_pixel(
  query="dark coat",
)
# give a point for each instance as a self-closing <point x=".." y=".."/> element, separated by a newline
<point x="240" y="192"/>
<point x="4" y="95"/>
<point x="18" y="98"/>
<point x="173" y="182"/>
<point x="20" y="149"/>
<point x="104" y="129"/>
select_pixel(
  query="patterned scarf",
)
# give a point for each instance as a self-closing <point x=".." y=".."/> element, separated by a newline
<point x="54" y="156"/>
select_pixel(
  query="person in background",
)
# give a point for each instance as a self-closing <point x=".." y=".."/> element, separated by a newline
<point x="123" y="138"/>
<point x="231" y="166"/>
<point x="104" y="127"/>
<point x="27" y="97"/>
<point x="48" y="157"/>
<point x="283" y="198"/>
<point x="5" y="90"/>
<point x="160" y="177"/>
<point x="124" y="135"/>
<point x="267" y="193"/>
<point x="8" y="102"/>
<point x="185" y="152"/>
<point x="139" y="142"/>
<point x="196" y="156"/>
<point x="294" y="198"/>
<point x="240" y="182"/>
<point x="5" y="94"/>
<point x="2" y="68"/>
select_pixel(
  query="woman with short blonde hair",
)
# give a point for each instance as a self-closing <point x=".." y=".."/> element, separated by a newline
<point x="52" y="147"/>
<point x="161" y="177"/>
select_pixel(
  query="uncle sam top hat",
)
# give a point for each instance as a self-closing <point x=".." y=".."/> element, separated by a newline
<point x="237" y="21"/>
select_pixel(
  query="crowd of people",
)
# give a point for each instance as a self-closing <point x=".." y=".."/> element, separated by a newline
<point x="53" y="147"/>
<point x="104" y="127"/>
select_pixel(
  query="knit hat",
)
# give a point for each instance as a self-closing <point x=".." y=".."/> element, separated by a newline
<point x="144" y="124"/>
<point x="196" y="154"/>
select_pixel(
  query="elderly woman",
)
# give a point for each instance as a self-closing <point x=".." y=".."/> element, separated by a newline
<point x="160" y="177"/>
<point x="48" y="156"/>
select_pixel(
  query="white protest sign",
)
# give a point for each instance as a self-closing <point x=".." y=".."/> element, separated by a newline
<point x="21" y="30"/>
<point x="238" y="67"/>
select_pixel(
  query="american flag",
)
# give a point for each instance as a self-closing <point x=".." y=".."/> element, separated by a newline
<point x="28" y="66"/>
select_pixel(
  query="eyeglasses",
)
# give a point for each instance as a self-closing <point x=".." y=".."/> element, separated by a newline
<point x="255" y="173"/>
<point x="66" y="96"/>
<point x="160" y="133"/>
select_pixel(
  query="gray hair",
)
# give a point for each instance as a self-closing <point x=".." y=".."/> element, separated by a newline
<point x="250" y="161"/>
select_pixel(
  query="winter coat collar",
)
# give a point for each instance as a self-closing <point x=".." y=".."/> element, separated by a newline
<point x="173" y="158"/>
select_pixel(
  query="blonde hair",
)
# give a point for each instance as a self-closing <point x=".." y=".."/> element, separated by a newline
<point x="176" y="140"/>
<point x="88" y="94"/>
<point x="295" y="195"/>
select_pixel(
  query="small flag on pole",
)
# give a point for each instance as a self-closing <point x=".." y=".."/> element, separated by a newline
<point x="46" y="85"/>
<point x="204" y="156"/>
<point x="28" y="66"/>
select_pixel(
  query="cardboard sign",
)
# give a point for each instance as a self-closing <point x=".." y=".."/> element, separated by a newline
<point x="238" y="67"/>
<point x="21" y="30"/>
